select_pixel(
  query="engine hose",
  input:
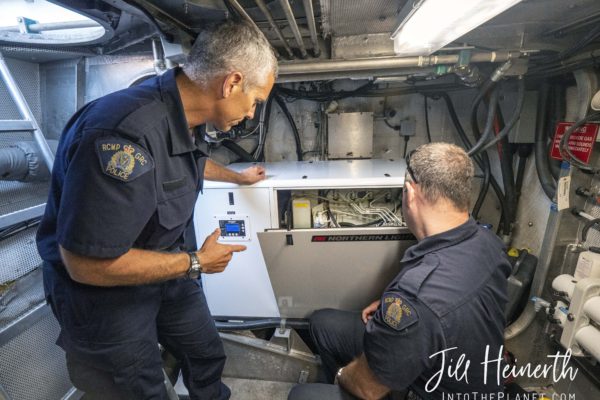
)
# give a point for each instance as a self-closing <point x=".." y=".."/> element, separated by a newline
<point x="237" y="150"/>
<point x="506" y="167"/>
<point x="566" y="153"/>
<point x="261" y="324"/>
<point x="489" y="124"/>
<point x="524" y="152"/>
<point x="514" y="118"/>
<point x="261" y="150"/>
<point x="482" y="161"/>
<point x="286" y="112"/>
<point x="541" y="150"/>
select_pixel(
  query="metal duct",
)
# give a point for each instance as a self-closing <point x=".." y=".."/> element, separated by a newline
<point x="384" y="65"/>
<point x="312" y="26"/>
<point x="289" y="14"/>
<point x="22" y="162"/>
<point x="263" y="7"/>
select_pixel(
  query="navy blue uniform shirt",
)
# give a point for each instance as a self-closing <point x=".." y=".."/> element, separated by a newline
<point x="126" y="175"/>
<point x="450" y="293"/>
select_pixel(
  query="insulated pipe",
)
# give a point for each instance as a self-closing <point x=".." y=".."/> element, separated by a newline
<point x="589" y="338"/>
<point x="312" y="26"/>
<point x="388" y="63"/>
<point x="564" y="283"/>
<point x="592" y="308"/>
<point x="289" y="14"/>
<point x="21" y="162"/>
<point x="25" y="111"/>
<point x="263" y="7"/>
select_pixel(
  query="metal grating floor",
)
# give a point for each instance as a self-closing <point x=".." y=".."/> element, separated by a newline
<point x="33" y="367"/>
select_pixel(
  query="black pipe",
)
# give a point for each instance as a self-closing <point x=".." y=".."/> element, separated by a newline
<point x="237" y="150"/>
<point x="286" y="112"/>
<point x="489" y="123"/>
<point x="261" y="154"/>
<point x="524" y="153"/>
<point x="514" y="117"/>
<point x="541" y="150"/>
<point x="261" y="324"/>
<point x="506" y="167"/>
<point x="482" y="161"/>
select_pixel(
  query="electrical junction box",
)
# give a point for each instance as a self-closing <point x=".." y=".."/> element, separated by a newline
<point x="318" y="234"/>
<point x="588" y="266"/>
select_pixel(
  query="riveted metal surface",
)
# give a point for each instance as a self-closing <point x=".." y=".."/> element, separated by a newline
<point x="33" y="367"/>
<point x="340" y="17"/>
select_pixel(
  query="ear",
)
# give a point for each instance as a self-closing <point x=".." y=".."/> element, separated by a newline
<point x="233" y="81"/>
<point x="409" y="191"/>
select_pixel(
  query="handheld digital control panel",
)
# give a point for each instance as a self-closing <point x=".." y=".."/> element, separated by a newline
<point x="235" y="228"/>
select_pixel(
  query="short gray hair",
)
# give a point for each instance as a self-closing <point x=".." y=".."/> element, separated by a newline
<point x="443" y="170"/>
<point x="231" y="46"/>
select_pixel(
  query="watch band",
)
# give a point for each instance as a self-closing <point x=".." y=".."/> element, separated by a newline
<point x="195" y="267"/>
<point x="338" y="376"/>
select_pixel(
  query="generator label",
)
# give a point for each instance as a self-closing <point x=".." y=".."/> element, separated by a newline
<point x="581" y="141"/>
<point x="363" y="238"/>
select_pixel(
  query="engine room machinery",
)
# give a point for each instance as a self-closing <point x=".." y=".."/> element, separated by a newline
<point x="301" y="227"/>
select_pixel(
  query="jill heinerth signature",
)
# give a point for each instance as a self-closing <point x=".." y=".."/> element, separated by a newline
<point x="459" y="369"/>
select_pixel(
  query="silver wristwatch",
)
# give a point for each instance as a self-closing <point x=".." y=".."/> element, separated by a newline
<point x="195" y="266"/>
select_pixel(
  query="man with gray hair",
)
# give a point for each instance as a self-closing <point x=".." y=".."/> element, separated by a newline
<point x="446" y="304"/>
<point x="118" y="271"/>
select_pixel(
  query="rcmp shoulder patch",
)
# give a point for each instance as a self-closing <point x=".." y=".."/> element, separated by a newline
<point x="397" y="312"/>
<point x="122" y="159"/>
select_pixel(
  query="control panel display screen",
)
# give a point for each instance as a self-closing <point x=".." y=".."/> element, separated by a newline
<point x="233" y="228"/>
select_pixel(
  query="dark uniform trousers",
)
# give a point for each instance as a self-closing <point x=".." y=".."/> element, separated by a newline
<point x="173" y="313"/>
<point x="338" y="336"/>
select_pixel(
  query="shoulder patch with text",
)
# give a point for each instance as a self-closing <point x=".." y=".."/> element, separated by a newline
<point x="397" y="312"/>
<point x="122" y="159"/>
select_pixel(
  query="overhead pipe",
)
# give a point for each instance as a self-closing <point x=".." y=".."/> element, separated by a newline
<point x="312" y="26"/>
<point x="263" y="7"/>
<point x="389" y="63"/>
<point x="53" y="26"/>
<point x="237" y="7"/>
<point x="289" y="14"/>
<point x="158" y="54"/>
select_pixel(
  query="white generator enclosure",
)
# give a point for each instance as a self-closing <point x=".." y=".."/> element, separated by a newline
<point x="301" y="227"/>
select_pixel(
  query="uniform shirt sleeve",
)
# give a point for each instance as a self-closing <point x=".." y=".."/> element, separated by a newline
<point x="400" y="338"/>
<point x="108" y="195"/>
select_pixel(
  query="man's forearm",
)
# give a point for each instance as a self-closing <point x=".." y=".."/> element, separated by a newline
<point x="358" y="379"/>
<point x="216" y="172"/>
<point x="132" y="268"/>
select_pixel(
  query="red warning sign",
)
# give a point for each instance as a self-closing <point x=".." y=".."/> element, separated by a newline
<point x="581" y="141"/>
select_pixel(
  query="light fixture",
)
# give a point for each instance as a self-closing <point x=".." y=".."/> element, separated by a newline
<point x="429" y="25"/>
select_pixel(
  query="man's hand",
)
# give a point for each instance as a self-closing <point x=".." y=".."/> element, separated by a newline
<point x="252" y="175"/>
<point x="215" y="256"/>
<point x="367" y="313"/>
